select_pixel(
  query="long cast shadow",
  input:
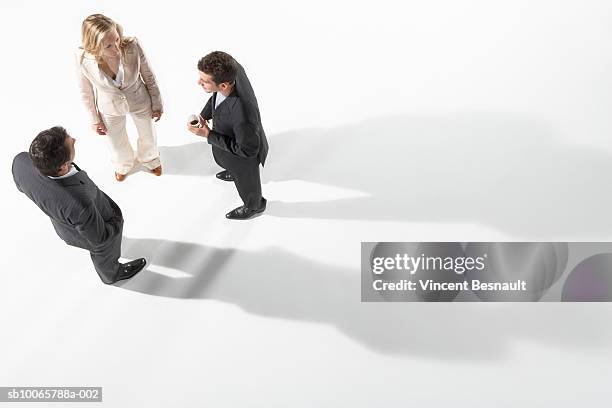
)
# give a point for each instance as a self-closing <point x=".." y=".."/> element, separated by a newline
<point x="276" y="283"/>
<point x="503" y="171"/>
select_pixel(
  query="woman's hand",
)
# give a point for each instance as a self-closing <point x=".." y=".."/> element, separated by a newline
<point x="156" y="115"/>
<point x="99" y="128"/>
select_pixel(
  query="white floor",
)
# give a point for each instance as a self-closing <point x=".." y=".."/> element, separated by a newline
<point x="441" y="120"/>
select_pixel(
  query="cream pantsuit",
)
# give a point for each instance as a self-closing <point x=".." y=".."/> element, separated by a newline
<point x="137" y="96"/>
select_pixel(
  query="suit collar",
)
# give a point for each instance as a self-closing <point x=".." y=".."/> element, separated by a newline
<point x="129" y="61"/>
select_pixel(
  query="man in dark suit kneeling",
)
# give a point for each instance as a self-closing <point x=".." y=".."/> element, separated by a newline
<point x="82" y="215"/>
<point x="238" y="140"/>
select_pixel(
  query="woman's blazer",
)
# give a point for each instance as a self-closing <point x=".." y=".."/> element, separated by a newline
<point x="102" y="97"/>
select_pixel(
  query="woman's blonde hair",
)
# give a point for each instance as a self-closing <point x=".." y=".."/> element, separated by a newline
<point x="93" y="30"/>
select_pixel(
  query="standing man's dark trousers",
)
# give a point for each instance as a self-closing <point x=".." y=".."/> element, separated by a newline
<point x="245" y="171"/>
<point x="106" y="257"/>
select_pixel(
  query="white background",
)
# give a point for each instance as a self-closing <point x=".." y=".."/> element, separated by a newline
<point x="425" y="121"/>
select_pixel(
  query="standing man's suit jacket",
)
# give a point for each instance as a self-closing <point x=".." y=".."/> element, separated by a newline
<point x="237" y="127"/>
<point x="82" y="214"/>
<point x="101" y="96"/>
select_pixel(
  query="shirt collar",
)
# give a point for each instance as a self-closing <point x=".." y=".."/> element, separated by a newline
<point x="73" y="170"/>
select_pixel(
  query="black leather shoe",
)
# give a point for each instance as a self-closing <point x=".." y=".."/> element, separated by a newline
<point x="129" y="269"/>
<point x="244" y="213"/>
<point x="224" y="175"/>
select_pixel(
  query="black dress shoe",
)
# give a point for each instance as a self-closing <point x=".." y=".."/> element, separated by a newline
<point x="244" y="213"/>
<point x="224" y="175"/>
<point x="129" y="269"/>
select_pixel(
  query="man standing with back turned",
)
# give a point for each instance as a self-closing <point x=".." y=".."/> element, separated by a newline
<point x="82" y="215"/>
<point x="238" y="140"/>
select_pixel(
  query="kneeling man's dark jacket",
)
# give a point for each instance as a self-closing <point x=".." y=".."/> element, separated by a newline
<point x="238" y="140"/>
<point x="237" y="122"/>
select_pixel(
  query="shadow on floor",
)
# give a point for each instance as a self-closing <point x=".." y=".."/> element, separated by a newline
<point x="502" y="171"/>
<point x="275" y="283"/>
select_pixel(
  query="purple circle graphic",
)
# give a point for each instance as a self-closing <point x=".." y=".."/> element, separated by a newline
<point x="590" y="280"/>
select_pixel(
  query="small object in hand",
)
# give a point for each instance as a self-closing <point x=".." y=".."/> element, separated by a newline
<point x="194" y="121"/>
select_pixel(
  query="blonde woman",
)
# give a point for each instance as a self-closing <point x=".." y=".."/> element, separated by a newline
<point x="115" y="80"/>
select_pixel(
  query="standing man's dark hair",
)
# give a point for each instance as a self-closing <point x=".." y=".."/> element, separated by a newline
<point x="49" y="150"/>
<point x="221" y="66"/>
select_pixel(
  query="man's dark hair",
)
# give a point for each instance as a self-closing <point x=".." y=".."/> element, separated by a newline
<point x="48" y="150"/>
<point x="220" y="65"/>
